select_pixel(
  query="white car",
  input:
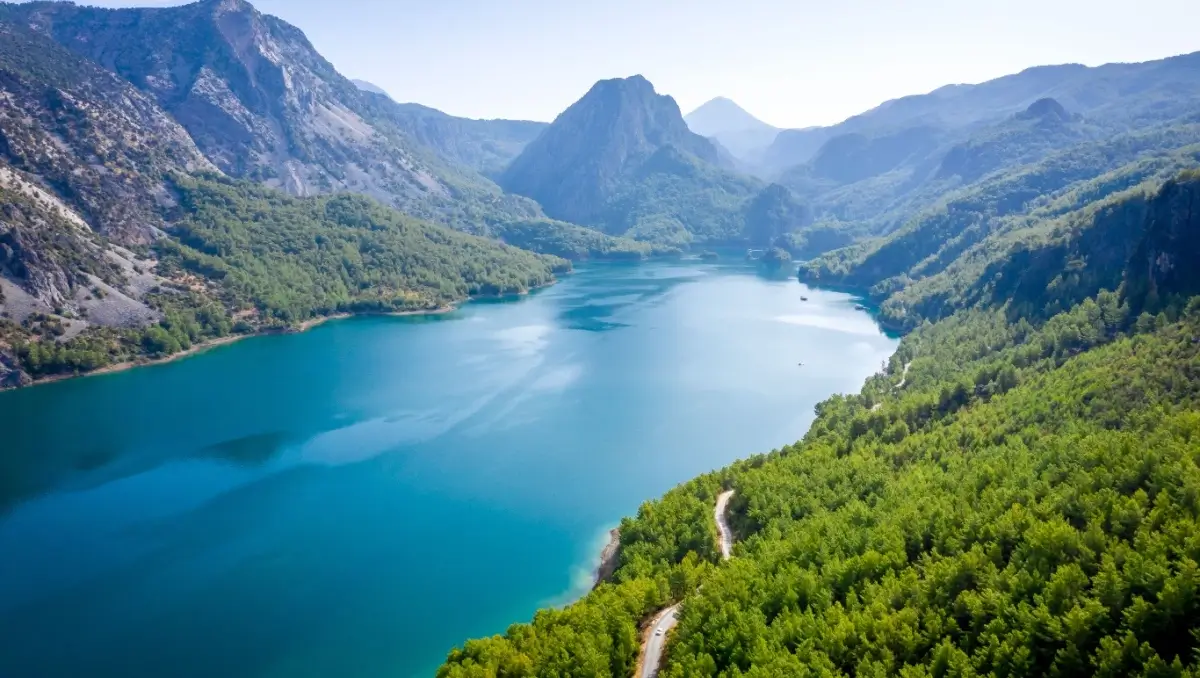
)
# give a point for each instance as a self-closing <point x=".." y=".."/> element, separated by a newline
<point x="658" y="632"/>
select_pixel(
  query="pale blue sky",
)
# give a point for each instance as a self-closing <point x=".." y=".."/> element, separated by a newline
<point x="790" y="62"/>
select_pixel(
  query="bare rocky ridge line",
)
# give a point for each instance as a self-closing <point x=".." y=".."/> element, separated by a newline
<point x="654" y="640"/>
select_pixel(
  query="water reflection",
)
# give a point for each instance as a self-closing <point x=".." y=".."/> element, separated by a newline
<point x="251" y="450"/>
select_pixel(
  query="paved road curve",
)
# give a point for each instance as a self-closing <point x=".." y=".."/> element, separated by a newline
<point x="667" y="619"/>
<point x="652" y="654"/>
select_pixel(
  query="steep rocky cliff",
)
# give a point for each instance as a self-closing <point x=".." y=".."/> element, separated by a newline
<point x="1165" y="263"/>
<point x="261" y="103"/>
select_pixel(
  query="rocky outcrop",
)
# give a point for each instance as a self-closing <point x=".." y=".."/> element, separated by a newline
<point x="11" y="375"/>
<point x="772" y="213"/>
<point x="609" y="557"/>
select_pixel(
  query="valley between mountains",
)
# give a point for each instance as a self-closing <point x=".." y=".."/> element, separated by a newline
<point x="1014" y="492"/>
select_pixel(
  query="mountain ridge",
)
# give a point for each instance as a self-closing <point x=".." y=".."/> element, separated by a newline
<point x="263" y="104"/>
<point x="1088" y="90"/>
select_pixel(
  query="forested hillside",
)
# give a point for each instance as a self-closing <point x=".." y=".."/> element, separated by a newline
<point x="1057" y="217"/>
<point x="242" y="257"/>
<point x="1022" y="501"/>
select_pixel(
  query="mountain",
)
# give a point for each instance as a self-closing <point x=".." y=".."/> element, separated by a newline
<point x="369" y="87"/>
<point x="875" y="172"/>
<point x="967" y="227"/>
<point x="623" y="160"/>
<point x="262" y="104"/>
<point x="84" y="158"/>
<point x="1118" y="95"/>
<point x="1031" y="134"/>
<point x="864" y="177"/>
<point x="735" y="129"/>
<point x="576" y="164"/>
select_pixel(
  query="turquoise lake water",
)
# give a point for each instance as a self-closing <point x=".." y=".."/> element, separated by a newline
<point x="355" y="500"/>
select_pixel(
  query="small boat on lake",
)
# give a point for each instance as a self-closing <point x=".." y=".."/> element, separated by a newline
<point x="859" y="307"/>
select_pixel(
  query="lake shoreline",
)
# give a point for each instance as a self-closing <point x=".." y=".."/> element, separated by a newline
<point x="211" y="344"/>
<point x="295" y="329"/>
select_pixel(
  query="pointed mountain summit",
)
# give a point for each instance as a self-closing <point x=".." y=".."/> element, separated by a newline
<point x="722" y="115"/>
<point x="601" y="143"/>
<point x="731" y="125"/>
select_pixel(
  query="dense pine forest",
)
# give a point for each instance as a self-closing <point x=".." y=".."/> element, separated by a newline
<point x="1022" y="501"/>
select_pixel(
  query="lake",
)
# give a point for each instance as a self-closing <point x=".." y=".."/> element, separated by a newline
<point x="357" y="499"/>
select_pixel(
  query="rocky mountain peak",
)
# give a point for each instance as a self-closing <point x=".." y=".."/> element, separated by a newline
<point x="597" y="142"/>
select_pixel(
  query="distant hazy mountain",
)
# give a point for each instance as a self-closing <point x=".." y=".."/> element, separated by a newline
<point x="737" y="130"/>
<point x="1119" y="95"/>
<point x="1027" y="136"/>
<point x="370" y="87"/>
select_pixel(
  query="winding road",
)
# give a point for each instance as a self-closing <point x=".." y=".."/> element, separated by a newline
<point x="903" y="380"/>
<point x="656" y="635"/>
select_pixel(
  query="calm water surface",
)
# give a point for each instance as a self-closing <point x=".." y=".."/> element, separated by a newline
<point x="356" y="500"/>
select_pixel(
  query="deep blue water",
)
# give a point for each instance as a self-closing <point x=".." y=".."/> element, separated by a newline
<point x="358" y="499"/>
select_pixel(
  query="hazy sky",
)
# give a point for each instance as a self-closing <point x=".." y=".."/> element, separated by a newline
<point x="790" y="62"/>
